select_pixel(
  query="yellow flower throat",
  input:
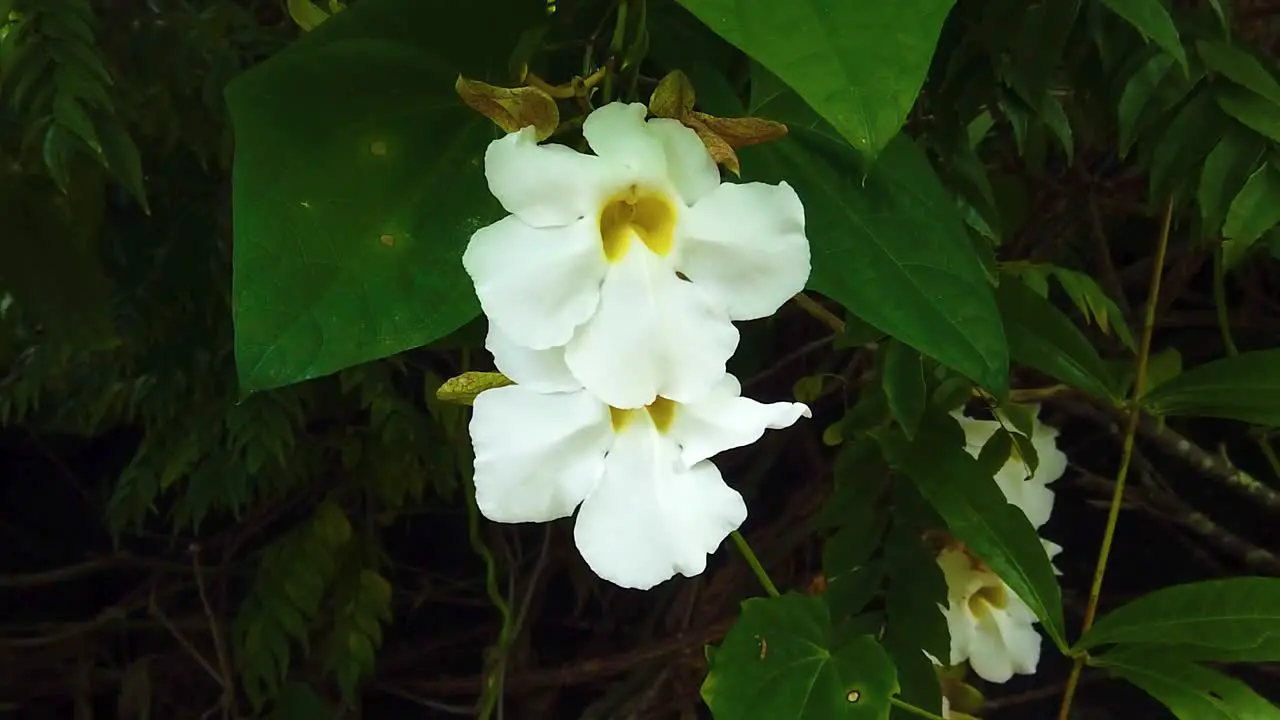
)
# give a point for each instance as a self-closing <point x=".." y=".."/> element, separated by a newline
<point x="661" y="412"/>
<point x="648" y="216"/>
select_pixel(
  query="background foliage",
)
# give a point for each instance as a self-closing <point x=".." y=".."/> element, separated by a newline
<point x="275" y="522"/>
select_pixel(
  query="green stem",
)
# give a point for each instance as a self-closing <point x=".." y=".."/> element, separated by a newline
<point x="1220" y="302"/>
<point x="1126" y="454"/>
<point x="1229" y="342"/>
<point x="615" y="49"/>
<point x="754" y="562"/>
<point x="908" y="707"/>
<point x="492" y="689"/>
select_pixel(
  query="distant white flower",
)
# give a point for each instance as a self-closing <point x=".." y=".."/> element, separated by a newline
<point x="652" y="504"/>
<point x="1030" y="494"/>
<point x="990" y="626"/>
<point x="588" y="258"/>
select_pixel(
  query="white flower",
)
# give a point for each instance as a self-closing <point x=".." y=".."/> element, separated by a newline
<point x="652" y="504"/>
<point x="990" y="625"/>
<point x="1030" y="494"/>
<point x="588" y="258"/>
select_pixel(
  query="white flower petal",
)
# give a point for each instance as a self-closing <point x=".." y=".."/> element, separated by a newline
<point x="976" y="432"/>
<point x="650" y="518"/>
<point x="545" y="185"/>
<point x="1053" y="462"/>
<point x="537" y="284"/>
<point x="543" y="371"/>
<point x="653" y="334"/>
<point x="537" y="455"/>
<point x="1003" y="645"/>
<point x="1029" y="495"/>
<point x="618" y="133"/>
<point x="690" y="167"/>
<point x="723" y="419"/>
<point x="1052" y="549"/>
<point x="745" y="245"/>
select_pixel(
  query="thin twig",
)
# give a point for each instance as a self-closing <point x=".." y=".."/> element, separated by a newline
<point x="230" y="704"/>
<point x="1131" y="431"/>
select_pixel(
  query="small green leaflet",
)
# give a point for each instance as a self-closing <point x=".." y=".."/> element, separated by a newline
<point x="1245" y="387"/>
<point x="1191" y="692"/>
<point x="976" y="511"/>
<point x="350" y="217"/>
<point x="825" y="48"/>
<point x="778" y="662"/>
<point x="1151" y="19"/>
<point x="1237" y="619"/>
<point x="1254" y="211"/>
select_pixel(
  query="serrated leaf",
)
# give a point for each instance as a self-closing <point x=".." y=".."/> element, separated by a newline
<point x="1041" y="337"/>
<point x="931" y="293"/>
<point x="298" y="701"/>
<point x="779" y="661"/>
<point x="1094" y="303"/>
<point x="1253" y="110"/>
<point x="348" y="231"/>
<point x="822" y="50"/>
<point x="1230" y="163"/>
<point x="1245" y="387"/>
<point x="976" y="511"/>
<point x="904" y="385"/>
<point x="1254" y="211"/>
<point x="1238" y="616"/>
<point x="1240" y="67"/>
<point x="1150" y="18"/>
<point x="123" y="160"/>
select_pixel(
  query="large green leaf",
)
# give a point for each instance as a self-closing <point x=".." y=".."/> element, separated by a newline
<point x="1138" y="93"/>
<point x="1251" y="109"/>
<point x="1240" y="67"/>
<point x="916" y="588"/>
<point x="977" y="512"/>
<point x="890" y="246"/>
<point x="1191" y="692"/>
<point x="1255" y="210"/>
<point x="779" y="661"/>
<point x="1151" y="19"/>
<point x="1230" y="163"/>
<point x="1042" y="337"/>
<point x="860" y="65"/>
<point x="904" y="385"/>
<point x="1185" y="143"/>
<point x="1245" y="387"/>
<point x="1238" y="618"/>
<point x="357" y="184"/>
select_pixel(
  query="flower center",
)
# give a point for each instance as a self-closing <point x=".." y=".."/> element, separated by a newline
<point x="988" y="596"/>
<point x="633" y="212"/>
<point x="661" y="413"/>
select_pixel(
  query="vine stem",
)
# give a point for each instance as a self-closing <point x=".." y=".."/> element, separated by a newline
<point x="1229" y="342"/>
<point x="918" y="711"/>
<point x="754" y="562"/>
<point x="491" y="692"/>
<point x="1126" y="455"/>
